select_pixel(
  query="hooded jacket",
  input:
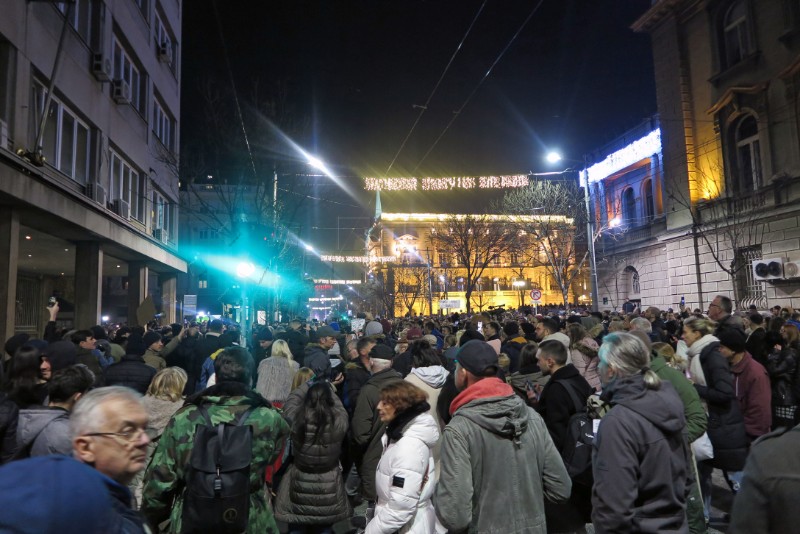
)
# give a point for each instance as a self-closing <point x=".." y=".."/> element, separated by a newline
<point x="498" y="464"/>
<point x="164" y="480"/>
<point x="405" y="480"/>
<point x="584" y="358"/>
<point x="44" y="431"/>
<point x="640" y="460"/>
<point x="316" y="358"/>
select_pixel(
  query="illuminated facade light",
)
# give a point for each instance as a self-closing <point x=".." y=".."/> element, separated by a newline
<point x="359" y="259"/>
<point x="637" y="151"/>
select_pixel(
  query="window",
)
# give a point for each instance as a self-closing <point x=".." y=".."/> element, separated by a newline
<point x="628" y="206"/>
<point x="65" y="143"/>
<point x="142" y="5"/>
<point x="125" y="69"/>
<point x="163" y="217"/>
<point x="208" y="233"/>
<point x="7" y="80"/>
<point x="80" y="16"/>
<point x="746" y="168"/>
<point x="163" y="126"/>
<point x="736" y="40"/>
<point x="750" y="290"/>
<point x="127" y="184"/>
<point x="649" y="202"/>
<point x="166" y="47"/>
<point x="202" y="283"/>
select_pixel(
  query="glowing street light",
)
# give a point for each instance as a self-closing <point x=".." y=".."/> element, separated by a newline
<point x="309" y="248"/>
<point x="553" y="157"/>
<point x="245" y="269"/>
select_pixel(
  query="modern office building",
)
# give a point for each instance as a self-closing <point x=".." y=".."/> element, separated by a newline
<point x="89" y="107"/>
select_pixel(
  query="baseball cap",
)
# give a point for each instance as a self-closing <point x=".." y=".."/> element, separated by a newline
<point x="477" y="356"/>
<point x="326" y="331"/>
<point x="381" y="352"/>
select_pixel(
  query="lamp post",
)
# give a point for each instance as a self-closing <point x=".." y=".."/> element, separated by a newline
<point x="583" y="177"/>
<point x="244" y="270"/>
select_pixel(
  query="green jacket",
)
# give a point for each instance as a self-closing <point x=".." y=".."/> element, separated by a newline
<point x="696" y="419"/>
<point x="164" y="479"/>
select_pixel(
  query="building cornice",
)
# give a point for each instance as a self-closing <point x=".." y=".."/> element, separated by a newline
<point x="660" y="10"/>
<point x="730" y="94"/>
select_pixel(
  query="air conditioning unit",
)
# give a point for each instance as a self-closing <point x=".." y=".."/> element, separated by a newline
<point x="165" y="52"/>
<point x="122" y="208"/>
<point x="791" y="269"/>
<point x="768" y="269"/>
<point x="97" y="193"/>
<point x="121" y="92"/>
<point x="4" y="135"/>
<point x="161" y="234"/>
<point x="102" y="67"/>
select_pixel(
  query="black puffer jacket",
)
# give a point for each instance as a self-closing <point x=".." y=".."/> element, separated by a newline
<point x="130" y="372"/>
<point x="312" y="490"/>
<point x="725" y="421"/>
<point x="9" y="414"/>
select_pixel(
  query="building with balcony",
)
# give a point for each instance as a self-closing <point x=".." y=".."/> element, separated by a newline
<point x="89" y="107"/>
<point x="727" y="74"/>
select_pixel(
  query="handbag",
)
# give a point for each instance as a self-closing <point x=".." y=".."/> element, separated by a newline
<point x="702" y="448"/>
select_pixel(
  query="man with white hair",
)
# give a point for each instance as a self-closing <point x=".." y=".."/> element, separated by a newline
<point x="644" y="325"/>
<point x="108" y="427"/>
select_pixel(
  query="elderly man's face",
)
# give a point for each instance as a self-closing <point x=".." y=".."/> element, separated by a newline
<point x="715" y="310"/>
<point x="118" y="448"/>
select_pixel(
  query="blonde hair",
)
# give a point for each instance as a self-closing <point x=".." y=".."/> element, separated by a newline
<point x="503" y="361"/>
<point x="168" y="384"/>
<point x="700" y="324"/>
<point x="280" y="349"/>
<point x="628" y="355"/>
<point x="666" y="351"/>
<point x="303" y="375"/>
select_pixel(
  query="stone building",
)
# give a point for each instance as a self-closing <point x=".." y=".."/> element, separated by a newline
<point x="727" y="74"/>
<point x="88" y="192"/>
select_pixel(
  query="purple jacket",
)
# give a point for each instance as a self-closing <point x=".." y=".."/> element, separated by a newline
<point x="752" y="389"/>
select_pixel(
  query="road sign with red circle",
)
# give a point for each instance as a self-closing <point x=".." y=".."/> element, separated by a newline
<point x="536" y="294"/>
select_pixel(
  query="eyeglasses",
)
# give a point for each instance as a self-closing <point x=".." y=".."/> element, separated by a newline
<point x="132" y="435"/>
<point x="712" y="305"/>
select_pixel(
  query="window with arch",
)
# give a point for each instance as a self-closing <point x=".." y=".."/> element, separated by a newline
<point x="628" y="206"/>
<point x="745" y="156"/>
<point x="649" y="200"/>
<point x="736" y="37"/>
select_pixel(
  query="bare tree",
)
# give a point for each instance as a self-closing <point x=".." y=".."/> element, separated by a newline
<point x="412" y="285"/>
<point x="553" y="215"/>
<point x="473" y="241"/>
<point x="728" y="224"/>
<point x="480" y="300"/>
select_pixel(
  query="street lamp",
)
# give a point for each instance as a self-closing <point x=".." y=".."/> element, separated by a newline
<point x="555" y="157"/>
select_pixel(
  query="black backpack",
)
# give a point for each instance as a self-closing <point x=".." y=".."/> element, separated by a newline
<point x="577" y="448"/>
<point x="217" y="496"/>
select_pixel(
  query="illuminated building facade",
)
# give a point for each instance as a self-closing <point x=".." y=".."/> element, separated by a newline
<point x="428" y="280"/>
<point x="727" y="77"/>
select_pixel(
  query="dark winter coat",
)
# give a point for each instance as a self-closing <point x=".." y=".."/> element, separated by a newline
<point x="312" y="490"/>
<point x="9" y="414"/>
<point x="87" y="358"/>
<point x="297" y="342"/>
<point x="367" y="428"/>
<point x="755" y="345"/>
<point x="203" y="348"/>
<point x="403" y="363"/>
<point x="556" y="405"/>
<point x="725" y="422"/>
<point x="641" y="460"/>
<point x="767" y="500"/>
<point x="355" y="376"/>
<point x="42" y="431"/>
<point x="316" y="358"/>
<point x="512" y="349"/>
<point x="782" y="367"/>
<point x="131" y="372"/>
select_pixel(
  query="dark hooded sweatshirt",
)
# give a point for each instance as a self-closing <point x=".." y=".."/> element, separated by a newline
<point x="640" y="461"/>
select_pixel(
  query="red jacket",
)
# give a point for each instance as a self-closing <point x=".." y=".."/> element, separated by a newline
<point x="751" y="385"/>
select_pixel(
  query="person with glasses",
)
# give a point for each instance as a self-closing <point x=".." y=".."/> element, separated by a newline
<point x="108" y="425"/>
<point x="720" y="311"/>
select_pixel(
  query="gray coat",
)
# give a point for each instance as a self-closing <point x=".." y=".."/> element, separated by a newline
<point x="44" y="431"/>
<point x="498" y="465"/>
<point x="312" y="490"/>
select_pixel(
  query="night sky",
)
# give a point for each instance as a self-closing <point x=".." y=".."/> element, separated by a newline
<point x="575" y="78"/>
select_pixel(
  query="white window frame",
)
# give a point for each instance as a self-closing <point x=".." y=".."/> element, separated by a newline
<point x="736" y="30"/>
<point x="126" y="184"/>
<point x="59" y="111"/>
<point x="125" y="68"/>
<point x="80" y="17"/>
<point x="752" y="145"/>
<point x="163" y="35"/>
<point x="163" y="125"/>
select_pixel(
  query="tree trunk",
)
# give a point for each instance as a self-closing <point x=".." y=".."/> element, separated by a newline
<point x="565" y="296"/>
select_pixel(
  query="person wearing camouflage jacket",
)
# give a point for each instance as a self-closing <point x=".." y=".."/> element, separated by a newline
<point x="164" y="484"/>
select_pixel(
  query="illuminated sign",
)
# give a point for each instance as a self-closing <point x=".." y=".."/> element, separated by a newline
<point x="342" y="282"/>
<point x="637" y="151"/>
<point x="446" y="184"/>
<point x="323" y="287"/>
<point x="325" y="299"/>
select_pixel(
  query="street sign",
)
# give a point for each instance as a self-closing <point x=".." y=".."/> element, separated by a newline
<point x="448" y="304"/>
<point x="536" y="294"/>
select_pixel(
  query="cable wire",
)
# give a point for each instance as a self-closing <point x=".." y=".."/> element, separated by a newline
<point x="475" y="89"/>
<point x="424" y="108"/>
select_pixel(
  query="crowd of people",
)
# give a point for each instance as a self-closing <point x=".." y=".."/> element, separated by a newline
<point x="508" y="422"/>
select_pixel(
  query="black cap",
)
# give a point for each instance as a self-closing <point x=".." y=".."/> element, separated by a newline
<point x="733" y="339"/>
<point x="381" y="352"/>
<point x="476" y="357"/>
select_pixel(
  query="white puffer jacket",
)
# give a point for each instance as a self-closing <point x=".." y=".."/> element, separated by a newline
<point x="404" y="494"/>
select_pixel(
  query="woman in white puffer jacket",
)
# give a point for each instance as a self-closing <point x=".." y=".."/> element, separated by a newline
<point x="405" y="479"/>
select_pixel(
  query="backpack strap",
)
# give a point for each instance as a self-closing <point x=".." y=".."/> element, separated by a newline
<point x="572" y="391"/>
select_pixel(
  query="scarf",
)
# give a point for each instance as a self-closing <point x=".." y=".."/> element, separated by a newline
<point x="698" y="346"/>
<point x="394" y="430"/>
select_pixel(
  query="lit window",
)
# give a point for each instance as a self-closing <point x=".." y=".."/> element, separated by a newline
<point x="202" y="284"/>
<point x="65" y="143"/>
